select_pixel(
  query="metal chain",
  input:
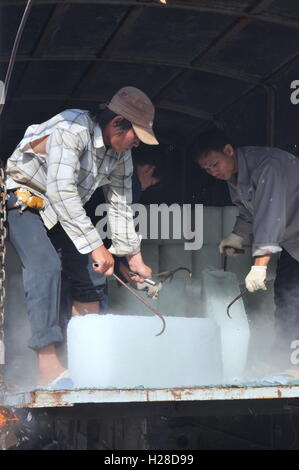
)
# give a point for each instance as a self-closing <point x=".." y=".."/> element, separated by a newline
<point x="3" y="194"/>
<point x="3" y="233"/>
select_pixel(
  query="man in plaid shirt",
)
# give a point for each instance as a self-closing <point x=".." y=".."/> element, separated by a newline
<point x="63" y="161"/>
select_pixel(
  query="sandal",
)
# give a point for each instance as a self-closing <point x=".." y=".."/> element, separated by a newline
<point x="62" y="382"/>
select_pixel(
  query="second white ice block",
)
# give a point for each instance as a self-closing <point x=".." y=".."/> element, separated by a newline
<point x="219" y="288"/>
<point x="123" y="351"/>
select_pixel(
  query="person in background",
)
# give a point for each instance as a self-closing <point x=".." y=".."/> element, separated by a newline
<point x="150" y="168"/>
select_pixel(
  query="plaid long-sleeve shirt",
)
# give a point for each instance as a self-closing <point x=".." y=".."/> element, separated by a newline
<point x="75" y="164"/>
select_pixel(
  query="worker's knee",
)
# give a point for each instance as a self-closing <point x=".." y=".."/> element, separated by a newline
<point x="85" y="308"/>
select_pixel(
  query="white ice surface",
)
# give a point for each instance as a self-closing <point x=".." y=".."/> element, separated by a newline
<point x="123" y="351"/>
<point x="219" y="288"/>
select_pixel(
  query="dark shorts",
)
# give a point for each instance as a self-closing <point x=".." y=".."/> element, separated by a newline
<point x="85" y="284"/>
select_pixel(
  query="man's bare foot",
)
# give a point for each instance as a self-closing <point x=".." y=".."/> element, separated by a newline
<point x="49" y="365"/>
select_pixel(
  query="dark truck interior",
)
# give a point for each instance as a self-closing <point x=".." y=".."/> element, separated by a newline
<point x="233" y="64"/>
<point x="230" y="63"/>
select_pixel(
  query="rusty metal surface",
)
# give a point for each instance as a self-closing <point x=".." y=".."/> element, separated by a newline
<point x="62" y="398"/>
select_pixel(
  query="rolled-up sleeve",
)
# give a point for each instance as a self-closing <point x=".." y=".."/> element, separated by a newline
<point x="269" y="222"/>
<point x="118" y="193"/>
<point x="64" y="149"/>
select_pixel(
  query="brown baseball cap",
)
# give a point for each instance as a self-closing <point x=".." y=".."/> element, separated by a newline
<point x="136" y="107"/>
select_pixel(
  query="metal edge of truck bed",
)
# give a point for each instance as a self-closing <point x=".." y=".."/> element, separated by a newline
<point x="58" y="398"/>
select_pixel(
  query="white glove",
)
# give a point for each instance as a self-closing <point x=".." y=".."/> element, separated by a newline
<point x="151" y="291"/>
<point x="233" y="240"/>
<point x="256" y="278"/>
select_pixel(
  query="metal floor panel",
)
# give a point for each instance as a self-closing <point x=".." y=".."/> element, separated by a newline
<point x="67" y="398"/>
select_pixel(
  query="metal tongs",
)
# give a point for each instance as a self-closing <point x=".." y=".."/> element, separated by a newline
<point x="237" y="251"/>
<point x="165" y="274"/>
<point x="142" y="300"/>
<point x="147" y="281"/>
<point x="233" y="301"/>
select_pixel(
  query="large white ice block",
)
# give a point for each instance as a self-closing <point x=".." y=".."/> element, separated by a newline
<point x="123" y="351"/>
<point x="219" y="288"/>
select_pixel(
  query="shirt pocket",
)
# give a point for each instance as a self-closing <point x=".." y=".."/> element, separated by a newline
<point x="246" y="194"/>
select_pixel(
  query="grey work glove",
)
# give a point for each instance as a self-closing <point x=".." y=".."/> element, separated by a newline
<point x="234" y="241"/>
<point x="151" y="291"/>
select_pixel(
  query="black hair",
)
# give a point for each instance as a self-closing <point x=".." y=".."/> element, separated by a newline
<point x="149" y="155"/>
<point x="102" y="117"/>
<point x="213" y="139"/>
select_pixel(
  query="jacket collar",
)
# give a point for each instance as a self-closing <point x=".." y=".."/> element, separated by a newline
<point x="243" y="174"/>
<point x="98" y="141"/>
